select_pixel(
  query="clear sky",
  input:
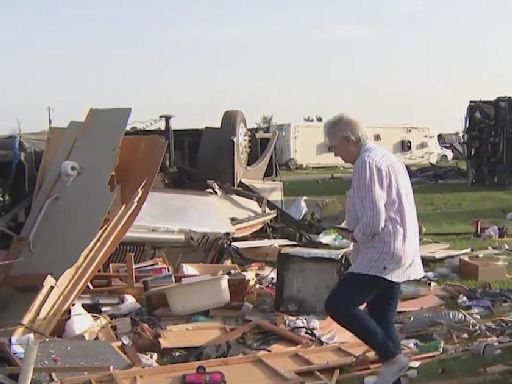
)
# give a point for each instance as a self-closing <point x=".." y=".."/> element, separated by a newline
<point x="416" y="62"/>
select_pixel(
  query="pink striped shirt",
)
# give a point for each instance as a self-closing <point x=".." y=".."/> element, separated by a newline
<point x="380" y="209"/>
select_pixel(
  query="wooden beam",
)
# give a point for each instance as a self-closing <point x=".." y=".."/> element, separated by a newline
<point x="59" y="368"/>
<point x="130" y="270"/>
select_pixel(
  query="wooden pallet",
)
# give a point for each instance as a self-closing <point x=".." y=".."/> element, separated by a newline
<point x="276" y="367"/>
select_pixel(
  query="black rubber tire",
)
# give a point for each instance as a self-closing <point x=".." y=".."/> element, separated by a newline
<point x="232" y="119"/>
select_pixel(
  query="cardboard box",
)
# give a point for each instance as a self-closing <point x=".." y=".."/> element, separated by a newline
<point x="487" y="269"/>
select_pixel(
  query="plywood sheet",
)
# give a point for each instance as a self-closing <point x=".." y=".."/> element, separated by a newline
<point x="74" y="353"/>
<point x="189" y="338"/>
<point x="266" y="325"/>
<point x="425" y="248"/>
<point x="72" y="220"/>
<point x="444" y="254"/>
<point x="53" y="143"/>
<point x="424" y="302"/>
<point x="52" y="172"/>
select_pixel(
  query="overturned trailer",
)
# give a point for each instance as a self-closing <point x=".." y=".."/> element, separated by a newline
<point x="488" y="141"/>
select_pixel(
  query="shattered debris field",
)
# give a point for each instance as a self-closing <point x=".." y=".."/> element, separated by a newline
<point x="144" y="262"/>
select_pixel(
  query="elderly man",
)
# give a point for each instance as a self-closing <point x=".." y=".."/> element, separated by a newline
<point x="381" y="218"/>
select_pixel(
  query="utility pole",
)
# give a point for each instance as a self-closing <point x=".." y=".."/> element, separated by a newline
<point x="18" y="122"/>
<point x="50" y="110"/>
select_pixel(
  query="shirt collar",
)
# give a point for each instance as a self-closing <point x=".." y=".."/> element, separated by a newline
<point x="365" y="148"/>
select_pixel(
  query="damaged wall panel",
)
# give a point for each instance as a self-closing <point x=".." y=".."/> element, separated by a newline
<point x="80" y="204"/>
<point x="95" y="210"/>
<point x="143" y="161"/>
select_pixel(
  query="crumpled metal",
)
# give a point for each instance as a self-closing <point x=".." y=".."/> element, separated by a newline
<point x="453" y="320"/>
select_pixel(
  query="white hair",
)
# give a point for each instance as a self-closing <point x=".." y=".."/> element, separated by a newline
<point x="343" y="126"/>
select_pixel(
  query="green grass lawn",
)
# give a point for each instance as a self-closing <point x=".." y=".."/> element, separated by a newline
<point x="317" y="171"/>
<point x="458" y="368"/>
<point x="442" y="209"/>
<point x="324" y="187"/>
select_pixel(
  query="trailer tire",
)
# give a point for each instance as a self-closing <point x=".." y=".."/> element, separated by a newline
<point x="234" y="124"/>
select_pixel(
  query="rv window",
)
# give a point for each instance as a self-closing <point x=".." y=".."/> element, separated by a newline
<point x="377" y="137"/>
<point x="406" y="145"/>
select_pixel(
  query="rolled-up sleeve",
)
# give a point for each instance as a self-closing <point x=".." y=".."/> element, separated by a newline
<point x="369" y="196"/>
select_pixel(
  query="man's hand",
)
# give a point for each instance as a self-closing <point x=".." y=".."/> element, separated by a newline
<point x="345" y="233"/>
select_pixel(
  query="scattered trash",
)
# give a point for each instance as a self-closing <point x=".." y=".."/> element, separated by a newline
<point x="79" y="323"/>
<point x="298" y="208"/>
<point x="161" y="283"/>
<point x="334" y="239"/>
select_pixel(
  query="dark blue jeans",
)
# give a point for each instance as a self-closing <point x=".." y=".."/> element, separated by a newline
<point x="374" y="326"/>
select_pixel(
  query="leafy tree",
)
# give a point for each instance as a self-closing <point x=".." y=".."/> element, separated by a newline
<point x="265" y="121"/>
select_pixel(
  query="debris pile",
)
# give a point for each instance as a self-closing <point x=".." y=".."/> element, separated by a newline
<point x="114" y="279"/>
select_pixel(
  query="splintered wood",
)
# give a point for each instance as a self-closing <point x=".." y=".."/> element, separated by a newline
<point x="122" y="170"/>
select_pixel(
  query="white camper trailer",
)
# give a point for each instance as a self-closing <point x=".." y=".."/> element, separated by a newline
<point x="305" y="144"/>
<point x="414" y="145"/>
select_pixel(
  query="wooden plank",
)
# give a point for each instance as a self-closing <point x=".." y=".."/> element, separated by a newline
<point x="426" y="248"/>
<point x="130" y="270"/>
<point x="6" y="354"/>
<point x="444" y="254"/>
<point x="37" y="304"/>
<point x="56" y="368"/>
<point x="284" y="333"/>
<point x="424" y="302"/>
<point x="189" y="338"/>
<point x="90" y="378"/>
<point x="20" y="305"/>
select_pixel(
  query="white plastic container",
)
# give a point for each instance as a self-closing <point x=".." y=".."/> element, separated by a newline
<point x="196" y="296"/>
